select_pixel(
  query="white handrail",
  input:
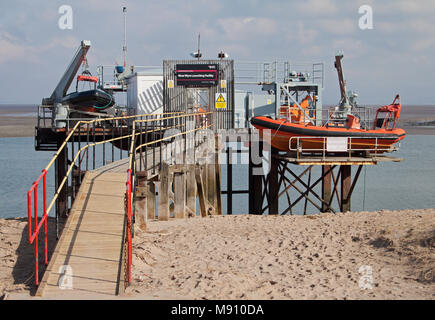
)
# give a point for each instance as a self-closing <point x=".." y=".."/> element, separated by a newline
<point x="299" y="147"/>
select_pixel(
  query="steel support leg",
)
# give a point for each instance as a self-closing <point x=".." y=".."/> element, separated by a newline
<point x="345" y="187"/>
<point x="326" y="187"/>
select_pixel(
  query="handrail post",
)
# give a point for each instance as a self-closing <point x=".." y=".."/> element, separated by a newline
<point x="80" y="161"/>
<point x="93" y="148"/>
<point x="45" y="216"/>
<point x="87" y="144"/>
<point x="324" y="147"/>
<point x="129" y="225"/>
<point x="104" y="144"/>
<point x="29" y="213"/>
<point x="35" y="203"/>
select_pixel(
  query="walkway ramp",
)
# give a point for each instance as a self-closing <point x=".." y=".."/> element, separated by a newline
<point x="91" y="244"/>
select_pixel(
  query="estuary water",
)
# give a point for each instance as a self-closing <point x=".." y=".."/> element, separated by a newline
<point x="409" y="184"/>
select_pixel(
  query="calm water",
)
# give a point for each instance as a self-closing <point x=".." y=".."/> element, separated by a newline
<point x="20" y="165"/>
<point x="409" y="184"/>
<point x="406" y="185"/>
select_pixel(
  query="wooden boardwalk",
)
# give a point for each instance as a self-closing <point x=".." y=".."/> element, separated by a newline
<point x="91" y="244"/>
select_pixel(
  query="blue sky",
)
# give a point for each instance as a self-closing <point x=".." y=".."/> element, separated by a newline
<point x="396" y="56"/>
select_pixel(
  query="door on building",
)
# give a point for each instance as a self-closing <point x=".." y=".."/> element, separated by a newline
<point x="199" y="100"/>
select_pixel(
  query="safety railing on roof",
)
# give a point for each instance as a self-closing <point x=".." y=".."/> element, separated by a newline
<point x="264" y="72"/>
<point x="111" y="77"/>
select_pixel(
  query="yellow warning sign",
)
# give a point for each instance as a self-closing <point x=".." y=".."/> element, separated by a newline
<point x="170" y="84"/>
<point x="221" y="100"/>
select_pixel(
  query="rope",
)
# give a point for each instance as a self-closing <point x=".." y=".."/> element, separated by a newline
<point x="111" y="99"/>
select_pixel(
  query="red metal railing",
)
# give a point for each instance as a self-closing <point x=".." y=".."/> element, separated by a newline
<point x="129" y="223"/>
<point x="33" y="234"/>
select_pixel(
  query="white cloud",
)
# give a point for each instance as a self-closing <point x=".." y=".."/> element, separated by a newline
<point x="247" y="27"/>
<point x="338" y="26"/>
<point x="408" y="7"/>
<point x="306" y="35"/>
<point x="423" y="44"/>
<point x="317" y="7"/>
<point x="400" y="43"/>
<point x="13" y="50"/>
<point x="419" y="7"/>
<point x="423" y="25"/>
<point x="352" y="47"/>
<point x="388" y="27"/>
<point x="313" y="51"/>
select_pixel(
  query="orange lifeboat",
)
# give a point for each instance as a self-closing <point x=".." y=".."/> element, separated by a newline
<point x="293" y="134"/>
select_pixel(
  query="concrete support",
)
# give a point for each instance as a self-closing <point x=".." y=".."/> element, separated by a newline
<point x="151" y="200"/>
<point x="190" y="190"/>
<point x="141" y="200"/>
<point x="179" y="195"/>
<point x="201" y="194"/>
<point x="211" y="184"/>
<point x="164" y="193"/>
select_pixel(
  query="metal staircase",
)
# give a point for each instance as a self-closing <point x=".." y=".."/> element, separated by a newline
<point x="45" y="138"/>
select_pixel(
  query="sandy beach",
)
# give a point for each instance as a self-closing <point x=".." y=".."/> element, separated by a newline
<point x="17" y="257"/>
<point x="265" y="257"/>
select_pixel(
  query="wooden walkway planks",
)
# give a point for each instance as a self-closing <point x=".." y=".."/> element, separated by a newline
<point x="92" y="241"/>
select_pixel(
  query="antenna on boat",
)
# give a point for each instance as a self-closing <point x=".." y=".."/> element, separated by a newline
<point x="124" y="48"/>
<point x="199" y="41"/>
<point x="197" y="54"/>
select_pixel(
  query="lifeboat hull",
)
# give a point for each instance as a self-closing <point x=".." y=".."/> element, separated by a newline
<point x="312" y="139"/>
<point x="90" y="101"/>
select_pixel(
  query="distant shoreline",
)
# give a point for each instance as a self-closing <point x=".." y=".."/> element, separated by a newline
<point x="17" y="127"/>
<point x="17" y="121"/>
<point x="21" y="127"/>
